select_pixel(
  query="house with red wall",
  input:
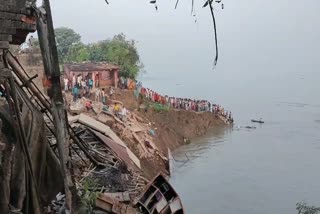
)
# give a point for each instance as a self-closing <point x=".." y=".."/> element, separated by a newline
<point x="103" y="74"/>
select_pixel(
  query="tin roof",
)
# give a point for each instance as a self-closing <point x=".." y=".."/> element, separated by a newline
<point x="90" y="66"/>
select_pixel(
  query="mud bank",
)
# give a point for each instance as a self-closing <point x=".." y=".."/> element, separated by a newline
<point x="111" y="153"/>
<point x="171" y="129"/>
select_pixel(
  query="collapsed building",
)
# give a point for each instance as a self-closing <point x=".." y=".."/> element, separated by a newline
<point x="52" y="163"/>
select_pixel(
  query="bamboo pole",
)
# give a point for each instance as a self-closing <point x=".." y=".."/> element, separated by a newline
<point x="51" y="66"/>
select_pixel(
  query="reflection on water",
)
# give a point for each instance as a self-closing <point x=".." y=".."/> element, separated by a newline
<point x="270" y="72"/>
<point x="199" y="148"/>
<point x="265" y="170"/>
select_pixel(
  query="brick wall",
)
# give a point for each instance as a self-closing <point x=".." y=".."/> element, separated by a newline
<point x="32" y="63"/>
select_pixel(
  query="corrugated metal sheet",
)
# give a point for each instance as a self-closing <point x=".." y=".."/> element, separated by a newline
<point x="119" y="150"/>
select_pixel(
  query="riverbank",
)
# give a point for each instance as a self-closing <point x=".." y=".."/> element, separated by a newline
<point x="119" y="144"/>
<point x="150" y="132"/>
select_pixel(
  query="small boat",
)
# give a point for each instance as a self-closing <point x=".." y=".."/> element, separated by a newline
<point x="250" y="127"/>
<point x="257" y="121"/>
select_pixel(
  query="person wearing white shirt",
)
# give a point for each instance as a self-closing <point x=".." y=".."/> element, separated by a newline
<point x="66" y="81"/>
<point x="124" y="114"/>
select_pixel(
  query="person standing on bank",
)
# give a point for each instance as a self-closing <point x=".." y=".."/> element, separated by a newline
<point x="75" y="92"/>
<point x="103" y="94"/>
<point x="90" y="83"/>
<point x="66" y="83"/>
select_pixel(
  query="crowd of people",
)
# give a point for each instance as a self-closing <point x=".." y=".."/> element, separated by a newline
<point x="84" y="88"/>
<point x="184" y="103"/>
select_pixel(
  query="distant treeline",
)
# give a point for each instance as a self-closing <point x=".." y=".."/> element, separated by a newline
<point x="117" y="50"/>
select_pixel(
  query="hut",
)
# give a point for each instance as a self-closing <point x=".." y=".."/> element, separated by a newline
<point x="103" y="74"/>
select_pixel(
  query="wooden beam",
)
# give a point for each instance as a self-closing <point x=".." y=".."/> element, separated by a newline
<point x="52" y="72"/>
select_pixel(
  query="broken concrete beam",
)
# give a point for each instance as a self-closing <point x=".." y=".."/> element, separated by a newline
<point x="141" y="143"/>
<point x="106" y="130"/>
<point x="120" y="196"/>
<point x="112" y="205"/>
<point x="107" y="203"/>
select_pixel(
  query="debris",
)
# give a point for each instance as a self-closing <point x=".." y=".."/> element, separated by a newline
<point x="120" y="196"/>
<point x="119" y="150"/>
<point x="160" y="197"/>
<point x="112" y="205"/>
<point x="98" y="126"/>
<point x="60" y="196"/>
<point x="77" y="107"/>
<point x="152" y="132"/>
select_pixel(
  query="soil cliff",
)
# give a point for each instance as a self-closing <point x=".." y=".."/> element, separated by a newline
<point x="168" y="129"/>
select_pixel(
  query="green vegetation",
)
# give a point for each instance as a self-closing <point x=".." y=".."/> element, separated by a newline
<point x="303" y="208"/>
<point x="117" y="50"/>
<point x="159" y="108"/>
<point x="88" y="196"/>
<point x="65" y="38"/>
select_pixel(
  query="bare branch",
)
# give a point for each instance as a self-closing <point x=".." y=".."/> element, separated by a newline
<point x="192" y="7"/>
<point x="215" y="33"/>
<point x="176" y="4"/>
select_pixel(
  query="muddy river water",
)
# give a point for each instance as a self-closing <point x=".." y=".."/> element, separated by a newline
<point x="260" y="171"/>
<point x="268" y="68"/>
<point x="265" y="170"/>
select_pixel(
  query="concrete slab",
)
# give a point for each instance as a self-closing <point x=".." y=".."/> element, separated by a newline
<point x="106" y="130"/>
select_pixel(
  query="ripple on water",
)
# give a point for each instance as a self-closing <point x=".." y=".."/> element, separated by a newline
<point x="298" y="105"/>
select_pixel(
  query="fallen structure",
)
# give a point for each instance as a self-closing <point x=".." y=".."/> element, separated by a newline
<point x="49" y="164"/>
<point x="160" y="197"/>
<point x="104" y="129"/>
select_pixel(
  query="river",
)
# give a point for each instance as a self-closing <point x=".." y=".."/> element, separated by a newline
<point x="265" y="170"/>
<point x="275" y="77"/>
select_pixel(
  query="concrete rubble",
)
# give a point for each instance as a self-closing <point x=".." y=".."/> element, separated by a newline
<point x="59" y="154"/>
<point x="118" y="176"/>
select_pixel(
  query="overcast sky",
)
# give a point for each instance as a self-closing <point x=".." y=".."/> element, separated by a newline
<point x="254" y="35"/>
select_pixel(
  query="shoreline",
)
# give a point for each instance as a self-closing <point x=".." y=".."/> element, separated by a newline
<point x="119" y="143"/>
<point x="150" y="132"/>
